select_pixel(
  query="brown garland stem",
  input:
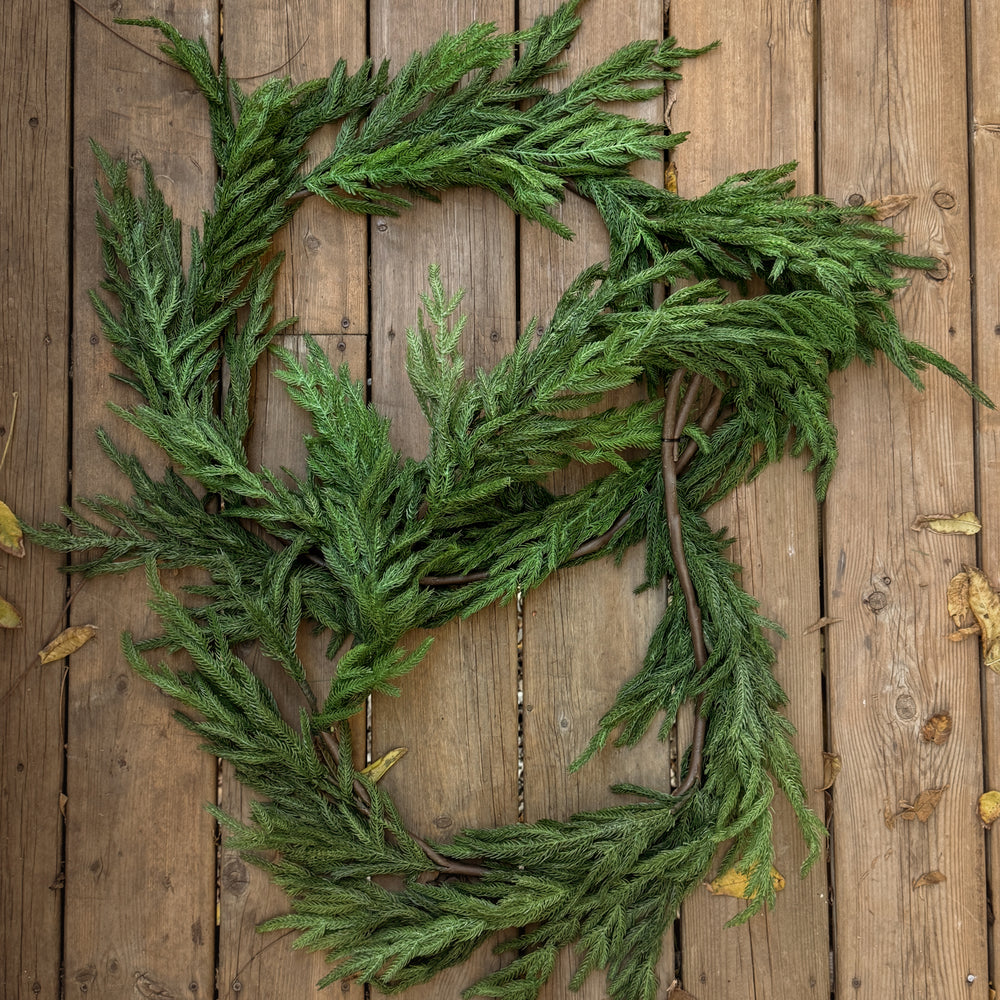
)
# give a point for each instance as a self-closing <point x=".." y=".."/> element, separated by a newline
<point x="671" y="508"/>
<point x="442" y="865"/>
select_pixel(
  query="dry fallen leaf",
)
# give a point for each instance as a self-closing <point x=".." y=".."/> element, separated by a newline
<point x="831" y="768"/>
<point x="891" y="205"/>
<point x="68" y="641"/>
<point x="670" y="177"/>
<point x="377" y="769"/>
<point x="937" y="729"/>
<point x="989" y="808"/>
<point x="889" y="816"/>
<point x="11" y="539"/>
<point x="928" y="878"/>
<point x="964" y="633"/>
<point x="925" y="804"/>
<point x="958" y="602"/>
<point x="985" y="606"/>
<point x="734" y="883"/>
<point x="821" y="623"/>
<point x="965" y="523"/>
<point x="10" y="617"/>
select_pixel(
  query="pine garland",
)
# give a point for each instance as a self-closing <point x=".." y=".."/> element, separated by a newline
<point x="371" y="545"/>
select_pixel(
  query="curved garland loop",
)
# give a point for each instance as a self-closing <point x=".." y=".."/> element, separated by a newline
<point x="371" y="545"/>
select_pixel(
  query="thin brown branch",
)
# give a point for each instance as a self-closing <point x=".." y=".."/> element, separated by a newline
<point x="675" y="527"/>
<point x="706" y="423"/>
<point x="443" y="865"/>
<point x="586" y="549"/>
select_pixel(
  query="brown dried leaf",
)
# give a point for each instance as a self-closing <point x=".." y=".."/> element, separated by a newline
<point x="66" y="642"/>
<point x="10" y="617"/>
<point x="928" y="878"/>
<point x="964" y="633"/>
<point x="377" y="769"/>
<point x="734" y="883"/>
<point x="985" y="606"/>
<point x="831" y="768"/>
<point x="965" y="523"/>
<point x="927" y="802"/>
<point x="991" y="654"/>
<point x="11" y="539"/>
<point x="989" y="808"/>
<point x="937" y="729"/>
<point x="889" y="816"/>
<point x="891" y="205"/>
<point x="958" y="601"/>
<point x="821" y="623"/>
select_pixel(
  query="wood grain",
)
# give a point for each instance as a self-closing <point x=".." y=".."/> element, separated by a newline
<point x="140" y="856"/>
<point x="34" y="355"/>
<point x="749" y="104"/>
<point x="458" y="713"/>
<point x="893" y="122"/>
<point x="323" y="282"/>
<point x="585" y="632"/>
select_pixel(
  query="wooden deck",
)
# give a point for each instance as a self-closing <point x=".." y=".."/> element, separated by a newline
<point x="112" y="881"/>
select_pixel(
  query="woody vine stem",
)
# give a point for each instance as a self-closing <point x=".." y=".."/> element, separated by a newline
<point x="367" y="546"/>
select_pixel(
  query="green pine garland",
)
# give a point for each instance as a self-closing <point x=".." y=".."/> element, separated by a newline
<point x="373" y="545"/>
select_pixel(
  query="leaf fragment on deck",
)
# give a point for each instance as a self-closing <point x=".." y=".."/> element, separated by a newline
<point x="11" y="539"/>
<point x="66" y="642"/>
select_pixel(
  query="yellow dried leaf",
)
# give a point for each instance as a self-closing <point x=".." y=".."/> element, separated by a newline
<point x="734" y="883"/>
<point x="985" y="605"/>
<point x="991" y="654"/>
<point x="989" y="808"/>
<point x="11" y="539"/>
<point x="927" y="802"/>
<point x="937" y="729"/>
<point x="670" y="177"/>
<point x="66" y="642"/>
<point x="965" y="523"/>
<point x="891" y="205"/>
<point x="958" y="601"/>
<point x="928" y="878"/>
<point x="10" y="617"/>
<point x="377" y="769"/>
<point x="831" y="768"/>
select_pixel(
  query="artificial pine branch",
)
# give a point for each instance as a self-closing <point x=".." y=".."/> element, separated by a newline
<point x="368" y="545"/>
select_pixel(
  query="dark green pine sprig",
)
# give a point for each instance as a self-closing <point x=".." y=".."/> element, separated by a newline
<point x="367" y="545"/>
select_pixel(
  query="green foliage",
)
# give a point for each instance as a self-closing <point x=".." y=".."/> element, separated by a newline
<point x="357" y="546"/>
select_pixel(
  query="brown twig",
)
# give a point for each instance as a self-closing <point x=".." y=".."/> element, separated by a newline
<point x="586" y="549"/>
<point x="706" y="423"/>
<point x="443" y="865"/>
<point x="675" y="527"/>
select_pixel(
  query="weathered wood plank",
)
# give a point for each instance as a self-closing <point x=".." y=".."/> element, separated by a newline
<point x="985" y="170"/>
<point x="34" y="355"/>
<point x="583" y="620"/>
<point x="893" y="122"/>
<point x="140" y="858"/>
<point x="749" y="104"/>
<point x="323" y="282"/>
<point x="458" y="713"/>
